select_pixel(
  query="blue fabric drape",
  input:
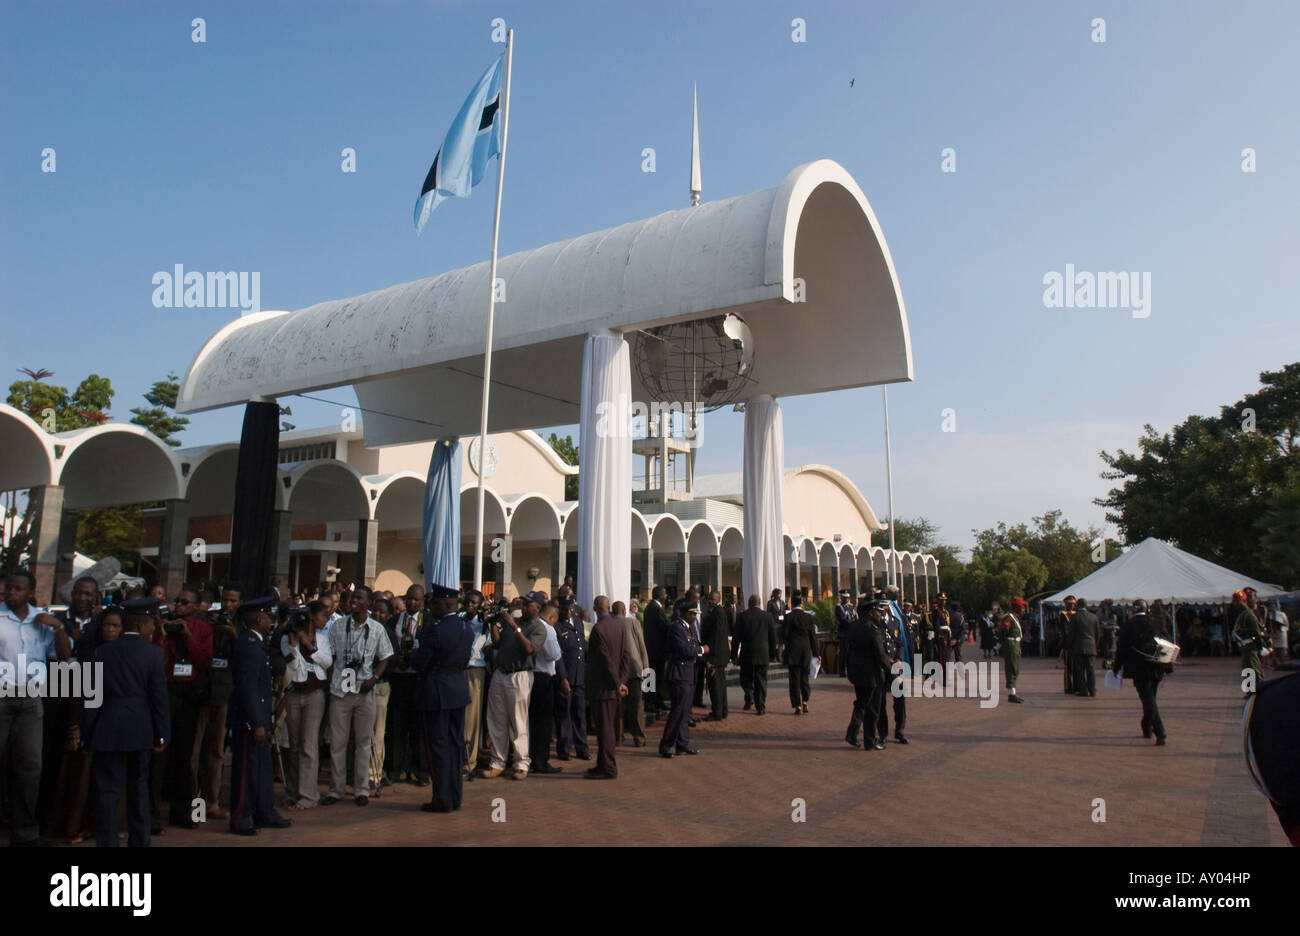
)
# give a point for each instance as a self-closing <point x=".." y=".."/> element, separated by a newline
<point x="441" y="526"/>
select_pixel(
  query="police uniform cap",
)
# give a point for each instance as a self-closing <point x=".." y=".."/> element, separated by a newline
<point x="880" y="604"/>
<point x="685" y="604"/>
<point x="140" y="606"/>
<point x="438" y="592"/>
<point x="263" y="605"/>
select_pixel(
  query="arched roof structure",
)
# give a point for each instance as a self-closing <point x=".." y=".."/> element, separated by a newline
<point x="813" y="239"/>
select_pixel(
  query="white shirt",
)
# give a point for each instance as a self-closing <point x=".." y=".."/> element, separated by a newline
<point x="368" y="644"/>
<point x="478" y="653"/>
<point x="297" y="667"/>
<point x="544" y="661"/>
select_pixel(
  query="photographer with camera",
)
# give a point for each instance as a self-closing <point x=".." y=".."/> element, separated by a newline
<point x="187" y="643"/>
<point x="307" y="661"/>
<point x="361" y="651"/>
<point x="404" y="735"/>
<point x="516" y="643"/>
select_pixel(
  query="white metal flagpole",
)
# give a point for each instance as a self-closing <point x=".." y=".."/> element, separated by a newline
<point x="492" y="308"/>
<point x="889" y="480"/>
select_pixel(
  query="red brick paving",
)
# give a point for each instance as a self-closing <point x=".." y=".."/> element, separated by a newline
<point x="1014" y="774"/>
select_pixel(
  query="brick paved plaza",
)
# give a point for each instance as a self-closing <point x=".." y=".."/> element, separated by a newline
<point x="1014" y="774"/>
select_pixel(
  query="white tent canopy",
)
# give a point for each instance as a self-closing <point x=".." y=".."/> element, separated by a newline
<point x="1154" y="569"/>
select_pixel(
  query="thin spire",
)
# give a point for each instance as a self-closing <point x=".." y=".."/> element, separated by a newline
<point x="695" y="147"/>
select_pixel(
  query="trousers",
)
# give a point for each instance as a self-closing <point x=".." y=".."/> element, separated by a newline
<point x="1146" y="685"/>
<point x="507" y="718"/>
<point x="799" y="688"/>
<point x="866" y="713"/>
<point x="476" y="677"/>
<point x="900" y="712"/>
<point x="718" y="690"/>
<point x="21" y="739"/>
<point x="303" y="714"/>
<point x="382" y="692"/>
<point x="115" y="771"/>
<point x="633" y="712"/>
<point x="404" y="736"/>
<point x="753" y="680"/>
<point x="444" y="732"/>
<point x="252" y="794"/>
<point x="1085" y="678"/>
<point x="541" y="718"/>
<point x="571" y="724"/>
<point x="351" y="714"/>
<point x="605" y="714"/>
<point x="677" y="728"/>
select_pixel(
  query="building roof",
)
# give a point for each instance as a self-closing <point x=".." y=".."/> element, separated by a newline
<point x="813" y="239"/>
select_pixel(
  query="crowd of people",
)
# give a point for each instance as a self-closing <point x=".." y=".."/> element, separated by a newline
<point x="441" y="686"/>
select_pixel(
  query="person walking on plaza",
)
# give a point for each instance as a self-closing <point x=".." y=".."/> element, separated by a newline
<point x="442" y="694"/>
<point x="684" y="649"/>
<point x="753" y="648"/>
<point x="717" y="634"/>
<point x="132" y="722"/>
<point x="633" y="722"/>
<point x="797" y="634"/>
<point x="607" y="677"/>
<point x="1137" y="646"/>
<point x="360" y="649"/>
<point x="1011" y="635"/>
<point x="868" y="669"/>
<point x="252" y="794"/>
<point x="1085" y="636"/>
<point x="1249" y="636"/>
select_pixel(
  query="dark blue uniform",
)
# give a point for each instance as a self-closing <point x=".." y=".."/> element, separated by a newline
<point x="683" y="651"/>
<point x="571" y="713"/>
<point x="252" y="796"/>
<point x="123" y="731"/>
<point x="441" y="695"/>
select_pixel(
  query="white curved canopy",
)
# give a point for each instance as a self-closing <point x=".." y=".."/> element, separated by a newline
<point x="414" y="351"/>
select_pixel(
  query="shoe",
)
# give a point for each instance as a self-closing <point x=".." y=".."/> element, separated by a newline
<point x="433" y="807"/>
<point x="688" y="750"/>
<point x="548" y="769"/>
<point x="598" y="775"/>
<point x="379" y="788"/>
<point x="518" y="774"/>
<point x="409" y="778"/>
<point x="694" y="722"/>
<point x="330" y="800"/>
<point x="487" y="773"/>
<point x="1014" y="698"/>
<point x="665" y="753"/>
<point x="638" y="742"/>
<point x="879" y="745"/>
<point x="798" y="711"/>
<point x="851" y="740"/>
<point x="1146" y="733"/>
<point x="279" y="822"/>
<point x="748" y="705"/>
<point x="156" y="829"/>
<point x="421" y="781"/>
<point x="805" y="708"/>
<point x="714" y="717"/>
<point x="385" y="780"/>
<point x="900" y="739"/>
<point x="249" y="831"/>
<point x="761" y="711"/>
<point x="585" y="755"/>
<point x="216" y="812"/>
<point x="361" y="799"/>
<point x="562" y="757"/>
<point x="1092" y="694"/>
<point x="1160" y="741"/>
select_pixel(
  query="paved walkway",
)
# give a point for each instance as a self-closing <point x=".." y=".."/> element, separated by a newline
<point x="1014" y="774"/>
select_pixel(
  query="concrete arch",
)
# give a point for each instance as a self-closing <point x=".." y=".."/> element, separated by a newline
<point x="494" y="513"/>
<point x="117" y="463"/>
<point x="733" y="543"/>
<point x="667" y="535"/>
<point x="702" y="539"/>
<point x="210" y="480"/>
<point x="640" y="531"/>
<point x="326" y="490"/>
<point x="29" y="451"/>
<point x="399" y="503"/>
<point x="533" y="518"/>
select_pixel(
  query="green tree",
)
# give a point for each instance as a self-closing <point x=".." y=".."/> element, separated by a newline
<point x="568" y="453"/>
<point x="55" y="408"/>
<point x="160" y="418"/>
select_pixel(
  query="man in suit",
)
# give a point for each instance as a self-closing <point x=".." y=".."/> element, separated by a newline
<point x="1137" y="637"/>
<point x="776" y="607"/>
<point x="868" y="670"/>
<point x="1085" y="636"/>
<point x="845" y="615"/>
<point x="655" y="625"/>
<point x="717" y="634"/>
<point x="252" y="796"/>
<point x="684" y="649"/>
<point x="442" y="694"/>
<point x="132" y="723"/>
<point x="404" y="736"/>
<point x="957" y="621"/>
<point x="633" y="721"/>
<point x="798" y="633"/>
<point x="753" y="647"/>
<point x="607" y="677"/>
<point x="1066" y="625"/>
<point x="571" y="710"/>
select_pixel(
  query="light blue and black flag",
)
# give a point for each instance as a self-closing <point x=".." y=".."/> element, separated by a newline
<point x="474" y="138"/>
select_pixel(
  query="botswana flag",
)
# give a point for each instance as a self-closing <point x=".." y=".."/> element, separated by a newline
<point x="474" y="138"/>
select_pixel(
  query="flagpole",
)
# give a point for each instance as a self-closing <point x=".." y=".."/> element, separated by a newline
<point x="492" y="307"/>
<point x="889" y="480"/>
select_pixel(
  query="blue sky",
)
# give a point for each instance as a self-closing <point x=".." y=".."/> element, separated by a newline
<point x="1115" y="156"/>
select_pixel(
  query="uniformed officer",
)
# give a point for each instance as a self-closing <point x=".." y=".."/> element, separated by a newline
<point x="571" y="710"/>
<point x="1250" y="636"/>
<point x="868" y="669"/>
<point x="1011" y="637"/>
<point x="684" y="649"/>
<point x="446" y="642"/>
<point x="845" y="615"/>
<point x="898" y="635"/>
<point x="252" y="796"/>
<point x="131" y="724"/>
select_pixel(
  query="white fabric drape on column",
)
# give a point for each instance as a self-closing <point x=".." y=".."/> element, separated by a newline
<point x="605" y="471"/>
<point x="763" y="568"/>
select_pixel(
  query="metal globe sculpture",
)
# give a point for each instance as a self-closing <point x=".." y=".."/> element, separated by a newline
<point x="702" y="365"/>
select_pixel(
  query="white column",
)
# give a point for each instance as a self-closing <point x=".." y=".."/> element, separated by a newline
<point x="605" y="467"/>
<point x="762" y="566"/>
